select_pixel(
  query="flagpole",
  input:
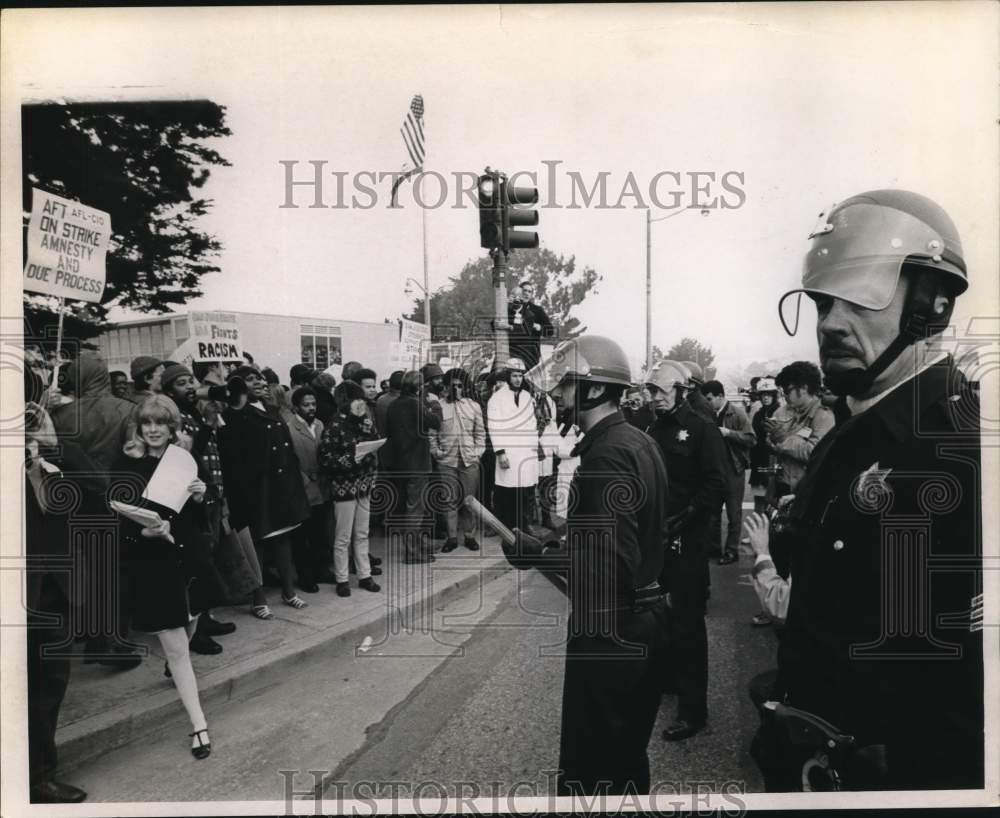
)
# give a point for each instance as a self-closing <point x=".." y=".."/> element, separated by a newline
<point x="427" y="289"/>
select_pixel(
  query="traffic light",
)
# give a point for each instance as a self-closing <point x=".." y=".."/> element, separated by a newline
<point x="490" y="215"/>
<point x="503" y="207"/>
<point x="516" y="214"/>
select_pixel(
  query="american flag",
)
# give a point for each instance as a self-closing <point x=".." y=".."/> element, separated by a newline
<point x="413" y="132"/>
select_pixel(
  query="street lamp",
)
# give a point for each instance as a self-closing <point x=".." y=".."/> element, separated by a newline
<point x="649" y="273"/>
<point x="427" y="300"/>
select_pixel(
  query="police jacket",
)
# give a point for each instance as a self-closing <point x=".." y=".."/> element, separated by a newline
<point x="881" y="638"/>
<point x="696" y="458"/>
<point x="615" y="524"/>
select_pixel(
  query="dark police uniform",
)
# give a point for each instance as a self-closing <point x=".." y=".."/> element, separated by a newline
<point x="614" y="546"/>
<point x="886" y="546"/>
<point x="694" y="452"/>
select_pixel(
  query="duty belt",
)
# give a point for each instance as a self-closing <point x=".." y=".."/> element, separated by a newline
<point x="644" y="599"/>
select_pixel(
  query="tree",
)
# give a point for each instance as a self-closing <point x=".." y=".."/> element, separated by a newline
<point x="690" y="349"/>
<point x="141" y="162"/>
<point x="465" y="306"/>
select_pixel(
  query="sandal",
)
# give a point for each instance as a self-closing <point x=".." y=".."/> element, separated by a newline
<point x="204" y="748"/>
<point x="296" y="602"/>
<point x="261" y="611"/>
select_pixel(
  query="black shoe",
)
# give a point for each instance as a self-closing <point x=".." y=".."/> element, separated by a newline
<point x="449" y="545"/>
<point x="729" y="558"/>
<point x="376" y="561"/>
<point x="471" y="544"/>
<point x="309" y="587"/>
<point x="681" y="729"/>
<point x="204" y="644"/>
<point x="118" y="657"/>
<point x="55" y="792"/>
<point x="343" y="589"/>
<point x="212" y="627"/>
<point x="204" y="748"/>
<point x="376" y="571"/>
<point x="369" y="584"/>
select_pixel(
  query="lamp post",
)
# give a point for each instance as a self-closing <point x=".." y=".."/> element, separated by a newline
<point x="649" y="273"/>
<point x="427" y="301"/>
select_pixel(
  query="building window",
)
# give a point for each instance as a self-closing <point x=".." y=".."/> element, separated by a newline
<point x="321" y="345"/>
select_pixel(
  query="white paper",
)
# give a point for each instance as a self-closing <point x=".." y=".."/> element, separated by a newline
<point x="169" y="484"/>
<point x="145" y="517"/>
<point x="367" y="447"/>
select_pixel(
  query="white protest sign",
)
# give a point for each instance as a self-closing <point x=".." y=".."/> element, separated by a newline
<point x="215" y="336"/>
<point x="67" y="248"/>
<point x="414" y="339"/>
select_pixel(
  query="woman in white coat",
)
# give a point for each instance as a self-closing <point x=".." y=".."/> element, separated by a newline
<point x="513" y="430"/>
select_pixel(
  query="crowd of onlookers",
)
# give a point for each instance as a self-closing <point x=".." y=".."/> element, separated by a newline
<point x="292" y="478"/>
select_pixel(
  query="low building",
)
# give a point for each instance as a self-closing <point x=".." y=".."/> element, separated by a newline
<point x="276" y="341"/>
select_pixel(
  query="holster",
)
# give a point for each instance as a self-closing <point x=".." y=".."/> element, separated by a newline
<point x="799" y="751"/>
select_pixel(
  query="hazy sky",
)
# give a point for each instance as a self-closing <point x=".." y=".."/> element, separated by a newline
<point x="810" y="103"/>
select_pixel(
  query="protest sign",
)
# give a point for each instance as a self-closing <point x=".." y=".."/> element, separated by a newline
<point x="414" y="340"/>
<point x="215" y="336"/>
<point x="67" y="248"/>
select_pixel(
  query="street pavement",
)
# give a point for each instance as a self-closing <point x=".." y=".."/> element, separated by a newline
<point x="470" y="704"/>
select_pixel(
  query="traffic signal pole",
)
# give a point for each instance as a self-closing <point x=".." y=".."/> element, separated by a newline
<point x="501" y="328"/>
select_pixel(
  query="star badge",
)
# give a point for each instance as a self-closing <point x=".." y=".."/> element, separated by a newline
<point x="682" y="434"/>
<point x="871" y="489"/>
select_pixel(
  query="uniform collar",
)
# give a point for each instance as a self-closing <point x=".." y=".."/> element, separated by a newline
<point x="595" y="432"/>
<point x="857" y="406"/>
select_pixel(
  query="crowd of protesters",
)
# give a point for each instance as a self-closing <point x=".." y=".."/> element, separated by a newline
<point x="292" y="479"/>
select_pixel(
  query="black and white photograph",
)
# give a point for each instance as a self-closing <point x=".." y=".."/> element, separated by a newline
<point x="463" y="409"/>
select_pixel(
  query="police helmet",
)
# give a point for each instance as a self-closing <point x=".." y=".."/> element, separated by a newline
<point x="859" y="247"/>
<point x="666" y="375"/>
<point x="589" y="358"/>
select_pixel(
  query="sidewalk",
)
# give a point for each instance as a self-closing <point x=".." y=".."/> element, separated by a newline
<point x="106" y="708"/>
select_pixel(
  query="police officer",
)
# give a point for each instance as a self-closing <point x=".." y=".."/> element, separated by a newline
<point x="695" y="381"/>
<point x="694" y="453"/>
<point x="884" y="630"/>
<point x="611" y="558"/>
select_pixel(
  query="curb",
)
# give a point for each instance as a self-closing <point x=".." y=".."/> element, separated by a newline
<point x="132" y="719"/>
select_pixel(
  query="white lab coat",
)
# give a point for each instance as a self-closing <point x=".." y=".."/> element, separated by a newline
<point x="514" y="430"/>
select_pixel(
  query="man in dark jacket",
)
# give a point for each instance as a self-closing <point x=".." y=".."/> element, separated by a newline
<point x="178" y="383"/>
<point x="734" y="425"/>
<point x="98" y="423"/>
<point x="263" y="486"/>
<point x="610" y="562"/>
<point x="406" y="460"/>
<point x="694" y="452"/>
<point x="884" y="637"/>
<point x="529" y="324"/>
<point x="55" y="471"/>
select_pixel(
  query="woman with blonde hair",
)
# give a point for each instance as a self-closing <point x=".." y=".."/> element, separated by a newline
<point x="169" y="562"/>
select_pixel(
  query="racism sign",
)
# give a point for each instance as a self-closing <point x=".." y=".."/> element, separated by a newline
<point x="215" y="336"/>
<point x="67" y="248"/>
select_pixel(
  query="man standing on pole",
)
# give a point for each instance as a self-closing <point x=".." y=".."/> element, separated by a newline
<point x="611" y="559"/>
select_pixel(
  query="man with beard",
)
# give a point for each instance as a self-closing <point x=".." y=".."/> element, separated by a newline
<point x="884" y="633"/>
<point x="695" y="455"/>
<point x="179" y="384"/>
<point x="610" y="562"/>
<point x="513" y="429"/>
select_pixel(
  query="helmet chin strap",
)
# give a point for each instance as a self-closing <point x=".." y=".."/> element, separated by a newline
<point x="917" y="316"/>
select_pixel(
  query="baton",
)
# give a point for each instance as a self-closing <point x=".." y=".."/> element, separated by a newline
<point x="510" y="538"/>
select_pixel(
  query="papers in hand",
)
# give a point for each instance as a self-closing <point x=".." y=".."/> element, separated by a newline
<point x="367" y="447"/>
<point x="143" y="516"/>
<point x="169" y="484"/>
